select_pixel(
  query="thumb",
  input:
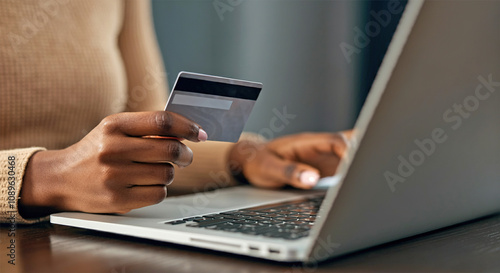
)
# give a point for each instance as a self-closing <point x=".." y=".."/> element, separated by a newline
<point x="301" y="176"/>
<point x="280" y="172"/>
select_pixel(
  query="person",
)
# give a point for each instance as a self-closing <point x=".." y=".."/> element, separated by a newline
<point x="81" y="83"/>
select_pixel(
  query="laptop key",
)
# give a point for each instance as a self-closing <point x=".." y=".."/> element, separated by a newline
<point x="211" y="222"/>
<point x="272" y="215"/>
<point x="175" y="222"/>
<point x="233" y="212"/>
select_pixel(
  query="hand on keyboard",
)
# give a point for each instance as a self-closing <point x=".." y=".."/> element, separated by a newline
<point x="297" y="160"/>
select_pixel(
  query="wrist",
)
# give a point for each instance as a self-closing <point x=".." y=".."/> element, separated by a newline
<point x="39" y="191"/>
<point x="240" y="154"/>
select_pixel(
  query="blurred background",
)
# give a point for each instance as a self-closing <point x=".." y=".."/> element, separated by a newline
<point x="316" y="58"/>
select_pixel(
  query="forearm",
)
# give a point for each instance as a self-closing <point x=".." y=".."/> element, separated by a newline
<point x="211" y="166"/>
<point x="207" y="171"/>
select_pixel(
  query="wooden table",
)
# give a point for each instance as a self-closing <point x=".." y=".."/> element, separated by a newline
<point x="468" y="247"/>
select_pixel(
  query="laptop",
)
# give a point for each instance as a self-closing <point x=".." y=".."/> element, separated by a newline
<point x="426" y="155"/>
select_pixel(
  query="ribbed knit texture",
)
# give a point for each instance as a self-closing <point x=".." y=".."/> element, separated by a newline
<point x="60" y="70"/>
<point x="12" y="165"/>
<point x="64" y="66"/>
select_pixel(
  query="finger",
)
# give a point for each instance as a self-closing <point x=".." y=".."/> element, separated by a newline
<point x="140" y="174"/>
<point x="142" y="196"/>
<point x="276" y="172"/>
<point x="164" y="137"/>
<point x="307" y="145"/>
<point x="333" y="143"/>
<point x="161" y="123"/>
<point x="347" y="133"/>
<point x="154" y="151"/>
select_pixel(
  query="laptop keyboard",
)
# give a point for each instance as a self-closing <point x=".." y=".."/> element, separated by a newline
<point x="287" y="220"/>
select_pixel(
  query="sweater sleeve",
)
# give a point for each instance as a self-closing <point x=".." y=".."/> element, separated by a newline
<point x="12" y="166"/>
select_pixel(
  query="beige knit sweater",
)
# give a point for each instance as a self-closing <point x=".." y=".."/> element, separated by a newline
<point x="64" y="66"/>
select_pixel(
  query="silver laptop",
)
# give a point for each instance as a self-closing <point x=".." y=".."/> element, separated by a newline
<point x="426" y="155"/>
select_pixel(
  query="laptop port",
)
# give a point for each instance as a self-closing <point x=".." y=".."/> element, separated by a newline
<point x="253" y="248"/>
<point x="274" y="251"/>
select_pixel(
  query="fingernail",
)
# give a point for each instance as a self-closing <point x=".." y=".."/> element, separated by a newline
<point x="309" y="178"/>
<point x="202" y="135"/>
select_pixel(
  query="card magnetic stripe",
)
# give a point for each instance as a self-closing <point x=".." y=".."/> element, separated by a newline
<point x="217" y="88"/>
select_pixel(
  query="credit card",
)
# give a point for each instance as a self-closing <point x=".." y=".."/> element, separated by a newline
<point x="220" y="105"/>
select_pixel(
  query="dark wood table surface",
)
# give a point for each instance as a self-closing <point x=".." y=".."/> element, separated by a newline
<point x="469" y="247"/>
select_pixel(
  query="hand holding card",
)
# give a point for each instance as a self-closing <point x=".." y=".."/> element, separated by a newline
<point x="220" y="105"/>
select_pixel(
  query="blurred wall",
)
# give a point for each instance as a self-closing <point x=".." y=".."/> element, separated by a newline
<point x="291" y="46"/>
